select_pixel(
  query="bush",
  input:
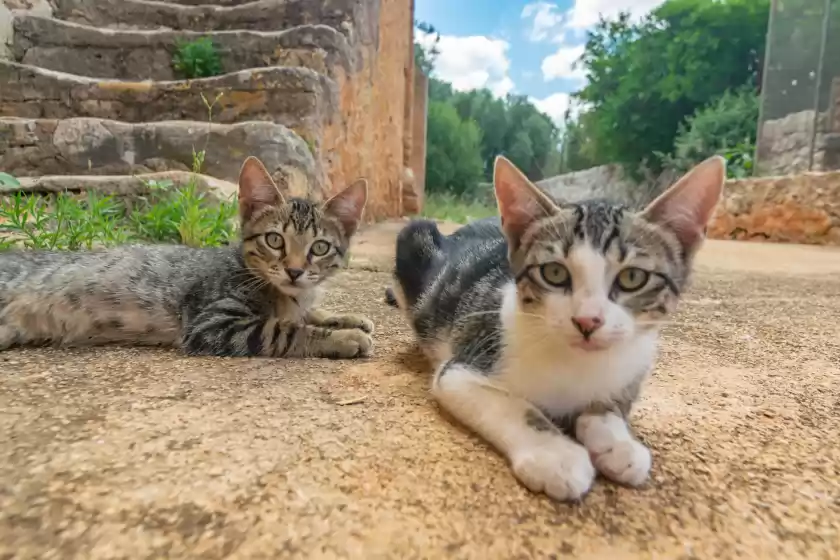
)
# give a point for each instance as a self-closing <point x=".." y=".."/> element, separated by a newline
<point x="197" y="59"/>
<point x="453" y="157"/>
<point x="727" y="127"/>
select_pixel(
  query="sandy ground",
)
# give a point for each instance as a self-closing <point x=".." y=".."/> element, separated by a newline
<point x="128" y="453"/>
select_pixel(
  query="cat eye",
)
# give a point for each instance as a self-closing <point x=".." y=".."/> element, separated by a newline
<point x="320" y="248"/>
<point x="632" y="279"/>
<point x="556" y="274"/>
<point x="274" y="240"/>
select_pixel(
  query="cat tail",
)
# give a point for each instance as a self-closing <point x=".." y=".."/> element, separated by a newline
<point x="420" y="251"/>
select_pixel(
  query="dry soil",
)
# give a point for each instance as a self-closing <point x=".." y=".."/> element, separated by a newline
<point x="131" y="453"/>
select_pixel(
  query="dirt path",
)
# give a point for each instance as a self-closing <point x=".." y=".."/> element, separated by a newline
<point x="124" y="453"/>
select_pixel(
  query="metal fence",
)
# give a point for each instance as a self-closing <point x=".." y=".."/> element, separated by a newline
<point x="799" y="123"/>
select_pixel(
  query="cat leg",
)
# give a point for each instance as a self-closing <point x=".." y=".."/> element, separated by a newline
<point x="322" y="318"/>
<point x="229" y="328"/>
<point x="617" y="454"/>
<point x="541" y="456"/>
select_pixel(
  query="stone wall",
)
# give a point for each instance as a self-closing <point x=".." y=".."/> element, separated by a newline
<point x="606" y="181"/>
<point x="413" y="192"/>
<point x="794" y="209"/>
<point x="338" y="74"/>
<point x="784" y="144"/>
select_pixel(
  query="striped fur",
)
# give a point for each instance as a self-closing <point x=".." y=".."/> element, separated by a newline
<point x="542" y="326"/>
<point x="238" y="300"/>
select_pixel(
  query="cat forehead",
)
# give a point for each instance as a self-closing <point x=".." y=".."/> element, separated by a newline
<point x="607" y="227"/>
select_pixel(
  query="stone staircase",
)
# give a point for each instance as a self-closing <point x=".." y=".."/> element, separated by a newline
<point x="320" y="90"/>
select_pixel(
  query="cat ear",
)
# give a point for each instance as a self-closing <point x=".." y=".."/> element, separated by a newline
<point x="520" y="202"/>
<point x="256" y="188"/>
<point x="348" y="206"/>
<point x="688" y="205"/>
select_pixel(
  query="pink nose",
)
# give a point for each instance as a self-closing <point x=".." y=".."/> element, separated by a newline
<point x="588" y="324"/>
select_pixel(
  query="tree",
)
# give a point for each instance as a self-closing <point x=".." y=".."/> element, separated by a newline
<point x="453" y="151"/>
<point x="646" y="78"/>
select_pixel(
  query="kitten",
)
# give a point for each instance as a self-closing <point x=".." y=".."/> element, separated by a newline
<point x="254" y="298"/>
<point x="543" y="325"/>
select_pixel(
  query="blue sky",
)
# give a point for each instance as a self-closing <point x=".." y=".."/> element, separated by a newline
<point x="522" y="46"/>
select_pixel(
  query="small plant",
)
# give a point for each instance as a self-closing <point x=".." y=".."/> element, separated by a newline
<point x="739" y="160"/>
<point x="198" y="58"/>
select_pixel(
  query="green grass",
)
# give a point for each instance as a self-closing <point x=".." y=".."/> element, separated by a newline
<point x="455" y="209"/>
<point x="168" y="214"/>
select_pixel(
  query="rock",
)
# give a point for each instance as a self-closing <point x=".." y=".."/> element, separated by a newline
<point x="99" y="147"/>
<point x="140" y="55"/>
<point x="124" y="185"/>
<point x="352" y="17"/>
<point x="294" y="97"/>
<point x="796" y="209"/>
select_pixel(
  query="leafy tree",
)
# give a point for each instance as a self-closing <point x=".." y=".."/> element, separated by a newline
<point x="453" y="154"/>
<point x="645" y="78"/>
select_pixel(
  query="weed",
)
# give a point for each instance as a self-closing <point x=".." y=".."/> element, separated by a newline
<point x="197" y="59"/>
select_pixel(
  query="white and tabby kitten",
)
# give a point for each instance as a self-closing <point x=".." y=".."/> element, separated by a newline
<point x="543" y="326"/>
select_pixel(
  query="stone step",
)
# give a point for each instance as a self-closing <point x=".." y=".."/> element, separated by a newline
<point x="121" y="185"/>
<point x="34" y="147"/>
<point x="298" y="98"/>
<point x="140" y="55"/>
<point x="349" y="16"/>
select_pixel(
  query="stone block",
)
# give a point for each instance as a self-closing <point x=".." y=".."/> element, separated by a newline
<point x="103" y="147"/>
<point x="352" y="17"/>
<point x="794" y="209"/>
<point x="147" y="55"/>
<point x="298" y="98"/>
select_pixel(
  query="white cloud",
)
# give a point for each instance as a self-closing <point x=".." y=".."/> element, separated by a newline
<point x="546" y="18"/>
<point x="549" y="23"/>
<point x="472" y="62"/>
<point x="554" y="106"/>
<point x="561" y="64"/>
<point x="585" y="13"/>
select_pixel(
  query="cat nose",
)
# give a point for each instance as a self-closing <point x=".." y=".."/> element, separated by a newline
<point x="294" y="273"/>
<point x="588" y="324"/>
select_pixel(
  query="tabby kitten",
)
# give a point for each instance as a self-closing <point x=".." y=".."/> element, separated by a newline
<point x="254" y="298"/>
<point x="543" y="326"/>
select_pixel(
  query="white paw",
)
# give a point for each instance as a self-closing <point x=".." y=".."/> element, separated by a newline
<point x="559" y="467"/>
<point x="626" y="462"/>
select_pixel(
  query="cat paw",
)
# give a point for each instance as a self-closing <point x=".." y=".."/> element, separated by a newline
<point x="561" y="468"/>
<point x="626" y="462"/>
<point x="351" y="322"/>
<point x="350" y="343"/>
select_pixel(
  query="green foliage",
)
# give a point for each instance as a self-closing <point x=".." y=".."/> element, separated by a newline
<point x="645" y="78"/>
<point x="197" y="59"/>
<point x="512" y="126"/>
<point x="182" y="215"/>
<point x="721" y="127"/>
<point x="453" y="152"/>
<point x="458" y="209"/>
<point x="168" y="214"/>
<point x="739" y="160"/>
<point x="7" y="180"/>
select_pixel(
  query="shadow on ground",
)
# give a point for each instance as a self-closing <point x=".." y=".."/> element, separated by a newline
<point x="124" y="453"/>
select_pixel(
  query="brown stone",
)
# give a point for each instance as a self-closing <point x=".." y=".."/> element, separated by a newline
<point x="102" y="147"/>
<point x="123" y="185"/>
<point x="797" y="209"/>
<point x="356" y="18"/>
<point x="141" y="55"/>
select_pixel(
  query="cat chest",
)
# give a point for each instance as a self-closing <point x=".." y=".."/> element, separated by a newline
<point x="564" y="386"/>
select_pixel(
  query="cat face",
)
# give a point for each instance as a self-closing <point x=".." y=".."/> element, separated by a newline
<point x="295" y="244"/>
<point x="595" y="274"/>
